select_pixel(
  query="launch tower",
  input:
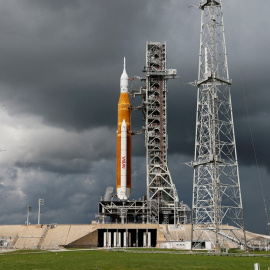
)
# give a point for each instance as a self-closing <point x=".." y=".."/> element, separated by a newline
<point x="161" y="192"/>
<point x="216" y="186"/>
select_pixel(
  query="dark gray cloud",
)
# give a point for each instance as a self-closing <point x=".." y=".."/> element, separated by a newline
<point x="60" y="64"/>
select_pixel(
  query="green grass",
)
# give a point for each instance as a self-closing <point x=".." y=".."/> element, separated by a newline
<point x="166" y="250"/>
<point x="123" y="260"/>
<point x="235" y="250"/>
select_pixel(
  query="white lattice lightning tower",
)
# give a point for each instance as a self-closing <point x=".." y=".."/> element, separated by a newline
<point x="216" y="186"/>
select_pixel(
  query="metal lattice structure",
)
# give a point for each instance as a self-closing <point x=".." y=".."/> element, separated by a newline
<point x="216" y="186"/>
<point x="160" y="187"/>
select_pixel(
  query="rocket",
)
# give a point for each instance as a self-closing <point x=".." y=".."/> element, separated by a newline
<point x="123" y="152"/>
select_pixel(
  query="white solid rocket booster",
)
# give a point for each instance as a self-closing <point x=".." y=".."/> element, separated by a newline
<point x="123" y="190"/>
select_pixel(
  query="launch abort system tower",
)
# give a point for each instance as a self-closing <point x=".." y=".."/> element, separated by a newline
<point x="216" y="186"/>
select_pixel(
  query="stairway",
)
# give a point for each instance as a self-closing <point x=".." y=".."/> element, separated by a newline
<point x="43" y="237"/>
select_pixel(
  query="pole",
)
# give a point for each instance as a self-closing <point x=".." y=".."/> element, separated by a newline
<point x="38" y="212"/>
<point x="29" y="208"/>
<point x="27" y="218"/>
<point x="40" y="202"/>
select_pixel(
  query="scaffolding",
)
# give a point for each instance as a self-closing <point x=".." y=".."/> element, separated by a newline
<point x="141" y="212"/>
<point x="159" y="182"/>
<point x="216" y="186"/>
<point x="161" y="192"/>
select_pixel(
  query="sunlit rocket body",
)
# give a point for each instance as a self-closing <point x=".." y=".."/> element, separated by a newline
<point x="123" y="158"/>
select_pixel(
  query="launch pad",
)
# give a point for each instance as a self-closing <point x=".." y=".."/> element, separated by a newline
<point x="161" y="204"/>
<point x="216" y="193"/>
<point x="141" y="212"/>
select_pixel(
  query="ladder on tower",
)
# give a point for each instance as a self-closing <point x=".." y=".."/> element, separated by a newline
<point x="154" y="211"/>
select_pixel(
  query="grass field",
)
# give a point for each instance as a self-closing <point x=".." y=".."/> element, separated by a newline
<point x="123" y="260"/>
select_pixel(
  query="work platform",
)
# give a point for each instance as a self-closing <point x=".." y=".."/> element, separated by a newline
<point x="142" y="212"/>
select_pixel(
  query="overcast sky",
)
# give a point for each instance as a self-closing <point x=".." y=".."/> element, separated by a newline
<point x="60" y="65"/>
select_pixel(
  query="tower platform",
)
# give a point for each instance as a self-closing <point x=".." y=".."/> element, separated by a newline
<point x="141" y="211"/>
